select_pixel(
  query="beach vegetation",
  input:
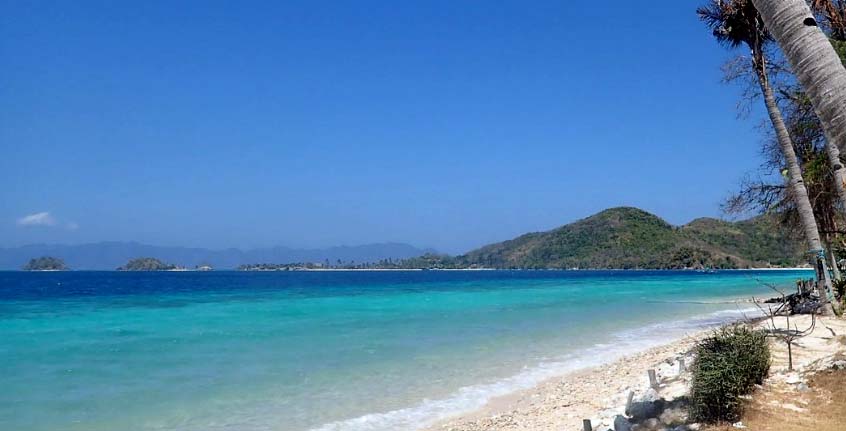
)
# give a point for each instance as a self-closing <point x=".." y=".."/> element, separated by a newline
<point x="728" y="365"/>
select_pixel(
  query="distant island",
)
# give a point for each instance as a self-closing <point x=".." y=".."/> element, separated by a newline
<point x="148" y="264"/>
<point x="109" y="255"/>
<point x="45" y="263"/>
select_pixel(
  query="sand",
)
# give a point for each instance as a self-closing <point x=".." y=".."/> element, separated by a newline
<point x="600" y="393"/>
<point x="811" y="397"/>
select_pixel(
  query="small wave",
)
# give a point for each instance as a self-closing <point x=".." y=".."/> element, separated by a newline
<point x="714" y="302"/>
<point x="471" y="398"/>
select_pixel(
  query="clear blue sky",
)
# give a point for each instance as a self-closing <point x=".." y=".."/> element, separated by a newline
<point x="446" y="124"/>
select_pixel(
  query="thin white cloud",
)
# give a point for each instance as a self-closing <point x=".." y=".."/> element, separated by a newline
<point x="72" y="225"/>
<point x="37" y="219"/>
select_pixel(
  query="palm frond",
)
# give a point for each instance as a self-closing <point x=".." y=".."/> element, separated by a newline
<point x="734" y="22"/>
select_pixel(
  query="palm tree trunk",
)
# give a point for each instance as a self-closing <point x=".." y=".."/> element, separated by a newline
<point x="794" y="176"/>
<point x="838" y="171"/>
<point x="828" y="238"/>
<point x="835" y="270"/>
<point x="817" y="67"/>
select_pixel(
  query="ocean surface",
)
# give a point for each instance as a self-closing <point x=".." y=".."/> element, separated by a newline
<point x="328" y="351"/>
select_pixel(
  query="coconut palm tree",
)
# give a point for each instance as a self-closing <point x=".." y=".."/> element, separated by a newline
<point x="833" y="14"/>
<point x="837" y="169"/>
<point x="735" y="23"/>
<point x="814" y="62"/>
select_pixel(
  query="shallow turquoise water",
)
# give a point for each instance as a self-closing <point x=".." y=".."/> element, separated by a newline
<point x="323" y="350"/>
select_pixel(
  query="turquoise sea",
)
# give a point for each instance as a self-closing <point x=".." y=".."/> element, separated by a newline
<point x="106" y="351"/>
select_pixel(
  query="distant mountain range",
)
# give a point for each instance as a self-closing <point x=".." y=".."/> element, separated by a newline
<point x="110" y="255"/>
<point x="626" y="238"/>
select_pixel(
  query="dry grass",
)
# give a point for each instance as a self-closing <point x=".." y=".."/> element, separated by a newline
<point x="783" y="407"/>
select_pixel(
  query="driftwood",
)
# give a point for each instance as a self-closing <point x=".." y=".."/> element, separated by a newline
<point x="806" y="300"/>
<point x="787" y="334"/>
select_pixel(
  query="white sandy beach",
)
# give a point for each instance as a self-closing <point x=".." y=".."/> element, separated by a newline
<point x="600" y="393"/>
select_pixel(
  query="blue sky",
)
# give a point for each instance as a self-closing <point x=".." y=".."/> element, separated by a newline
<point x="445" y="124"/>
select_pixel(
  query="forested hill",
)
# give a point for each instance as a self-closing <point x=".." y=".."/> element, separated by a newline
<point x="632" y="238"/>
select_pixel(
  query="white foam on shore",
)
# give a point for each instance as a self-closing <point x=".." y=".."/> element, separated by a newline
<point x="472" y="398"/>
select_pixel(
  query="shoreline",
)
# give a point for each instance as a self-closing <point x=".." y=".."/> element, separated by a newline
<point x="510" y="269"/>
<point x="599" y="393"/>
<point x="399" y="270"/>
<point x="561" y="393"/>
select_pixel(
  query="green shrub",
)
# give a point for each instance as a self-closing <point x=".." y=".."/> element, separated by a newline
<point x="728" y="364"/>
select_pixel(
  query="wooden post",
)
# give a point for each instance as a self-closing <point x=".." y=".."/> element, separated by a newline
<point x="587" y="425"/>
<point x="653" y="380"/>
<point x="629" y="401"/>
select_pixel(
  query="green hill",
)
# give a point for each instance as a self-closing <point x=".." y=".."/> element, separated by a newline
<point x="147" y="264"/>
<point x="627" y="238"/>
<point x="45" y="263"/>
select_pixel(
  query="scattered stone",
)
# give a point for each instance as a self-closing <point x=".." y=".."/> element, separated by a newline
<point x="642" y="410"/>
<point x="792" y="379"/>
<point x="738" y="425"/>
<point x="839" y="365"/>
<point x="673" y="417"/>
<point x="622" y="424"/>
<point x="803" y="387"/>
<point x="648" y="405"/>
<point x="650" y="395"/>
<point x="794" y="407"/>
<point x="651" y="423"/>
